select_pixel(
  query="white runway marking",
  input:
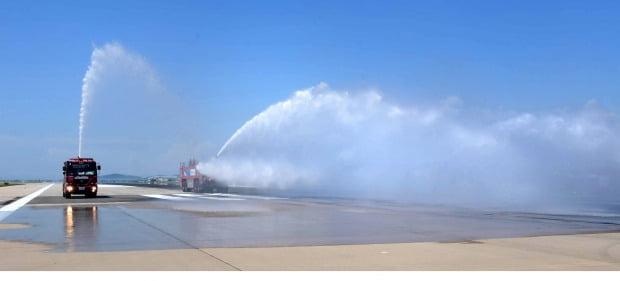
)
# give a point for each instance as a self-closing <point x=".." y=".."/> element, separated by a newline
<point x="221" y="198"/>
<point x="252" y="196"/>
<point x="187" y="195"/>
<point x="9" y="209"/>
<point x="114" y="185"/>
<point x="212" y="196"/>
<point x="159" y="196"/>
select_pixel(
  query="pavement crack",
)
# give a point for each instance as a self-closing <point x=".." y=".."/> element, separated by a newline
<point x="124" y="210"/>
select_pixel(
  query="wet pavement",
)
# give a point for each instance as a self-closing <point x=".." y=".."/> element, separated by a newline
<point x="131" y="218"/>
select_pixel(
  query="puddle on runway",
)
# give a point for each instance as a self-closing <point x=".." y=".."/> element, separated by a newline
<point x="86" y="228"/>
<point x="161" y="224"/>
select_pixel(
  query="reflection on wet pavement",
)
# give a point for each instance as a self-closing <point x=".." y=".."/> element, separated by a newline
<point x="165" y="224"/>
<point x="87" y="228"/>
<point x="80" y="224"/>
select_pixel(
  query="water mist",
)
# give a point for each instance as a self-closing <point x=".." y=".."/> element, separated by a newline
<point x="357" y="144"/>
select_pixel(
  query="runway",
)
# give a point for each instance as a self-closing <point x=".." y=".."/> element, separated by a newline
<point x="126" y="218"/>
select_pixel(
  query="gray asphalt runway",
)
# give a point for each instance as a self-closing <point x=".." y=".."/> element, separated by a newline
<point x="125" y="218"/>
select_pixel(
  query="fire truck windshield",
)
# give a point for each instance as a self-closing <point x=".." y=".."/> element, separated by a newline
<point x="81" y="169"/>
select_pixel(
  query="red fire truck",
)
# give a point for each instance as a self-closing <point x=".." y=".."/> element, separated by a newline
<point x="80" y="177"/>
<point x="192" y="180"/>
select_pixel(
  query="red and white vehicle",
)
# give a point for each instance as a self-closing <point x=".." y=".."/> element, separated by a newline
<point x="80" y="177"/>
<point x="192" y="180"/>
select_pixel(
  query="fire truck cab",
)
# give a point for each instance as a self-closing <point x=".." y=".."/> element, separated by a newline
<point x="191" y="180"/>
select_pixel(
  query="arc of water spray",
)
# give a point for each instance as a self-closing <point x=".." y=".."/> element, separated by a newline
<point x="83" y="105"/>
<point x="305" y="93"/>
<point x="237" y="133"/>
<point x="86" y="96"/>
<point x="97" y="61"/>
<point x="230" y="140"/>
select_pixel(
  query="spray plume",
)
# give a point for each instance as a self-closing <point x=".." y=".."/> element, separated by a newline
<point x="360" y="145"/>
<point x="129" y="118"/>
<point x="87" y="82"/>
<point x="106" y="61"/>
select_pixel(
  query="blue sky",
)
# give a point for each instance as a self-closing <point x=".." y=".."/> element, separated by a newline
<point x="232" y="59"/>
